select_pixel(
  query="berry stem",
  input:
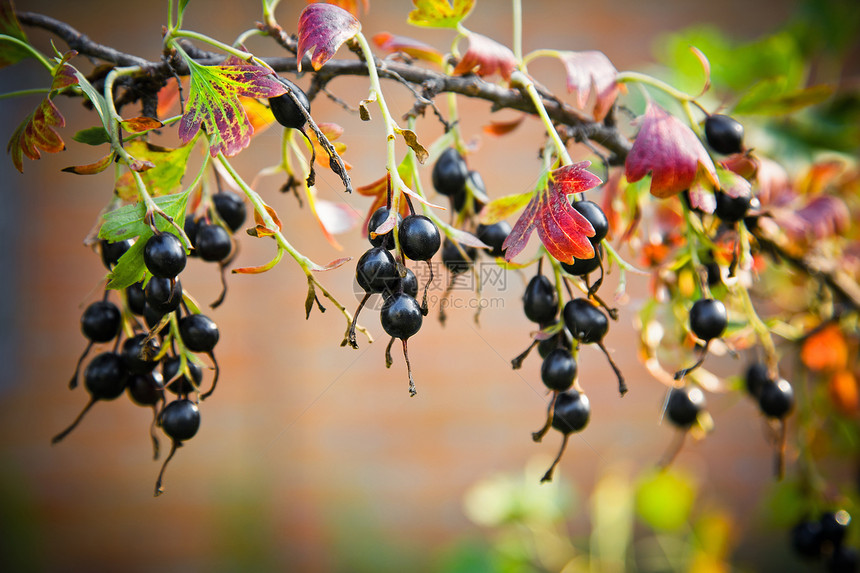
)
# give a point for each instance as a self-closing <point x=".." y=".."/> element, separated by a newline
<point x="156" y="447"/>
<point x="412" y="390"/>
<point x="64" y="433"/>
<point x="173" y="446"/>
<point x="703" y="353"/>
<point x="388" y="360"/>
<point x="215" y="379"/>
<point x="548" y="475"/>
<point x="350" y="332"/>
<point x="538" y="436"/>
<point x="517" y="362"/>
<point x="73" y="383"/>
<point x="622" y="385"/>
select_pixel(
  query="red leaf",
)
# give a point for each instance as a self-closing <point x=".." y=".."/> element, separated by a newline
<point x="323" y="28"/>
<point x="562" y="229"/>
<point x="418" y="50"/>
<point x="37" y="132"/>
<point x="92" y="168"/>
<point x="498" y="128"/>
<point x="589" y="72"/>
<point x="670" y="151"/>
<point x="821" y="217"/>
<point x="332" y="265"/>
<point x="350" y="6"/>
<point x="486" y="57"/>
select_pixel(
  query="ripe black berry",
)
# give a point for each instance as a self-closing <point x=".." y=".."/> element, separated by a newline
<point x="724" y="134"/>
<point x="776" y="398"/>
<point x="139" y="358"/>
<point x="379" y="216"/>
<point x="806" y="539"/>
<point x="199" y="332"/>
<point x="180" y="420"/>
<point x="558" y="370"/>
<point x="571" y="412"/>
<point x="540" y="300"/>
<point x="419" y="237"/>
<point x="476" y="182"/>
<point x="595" y="215"/>
<point x="834" y="526"/>
<point x="231" y="209"/>
<point x="376" y="270"/>
<point x="407" y="283"/>
<point x="559" y="340"/>
<point x="111" y="252"/>
<point x="450" y="173"/>
<point x="285" y="109"/>
<point x="212" y="242"/>
<point x="732" y="209"/>
<point x="493" y="236"/>
<point x="684" y="405"/>
<point x="401" y="316"/>
<point x="162" y="295"/>
<point x="145" y="389"/>
<point x="164" y="255"/>
<point x="586" y="322"/>
<point x="136" y="298"/>
<point x="454" y="261"/>
<point x="757" y="376"/>
<point x="582" y="267"/>
<point x="181" y="384"/>
<point x="708" y="318"/>
<point x="101" y="321"/>
<point x="190" y="227"/>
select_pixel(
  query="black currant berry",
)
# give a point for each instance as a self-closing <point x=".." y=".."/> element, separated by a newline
<point x="684" y="405"/>
<point x="732" y="209"/>
<point x="834" y="526"/>
<point x="164" y="255"/>
<point x="407" y="283"/>
<point x="139" y="358"/>
<point x="212" y="242"/>
<point x="152" y="317"/>
<point x="586" y="322"/>
<point x="285" y="109"/>
<point x="757" y="376"/>
<point x="571" y="412"/>
<point x="145" y="389"/>
<point x="231" y="209"/>
<point x="379" y="216"/>
<point x="192" y="224"/>
<point x="136" y="298"/>
<point x="806" y="539"/>
<point x="163" y="295"/>
<point x="101" y="321"/>
<point x="559" y="340"/>
<point x="493" y="236"/>
<point x="724" y="134"/>
<point x="776" y="398"/>
<point x="181" y="385"/>
<point x="199" y="333"/>
<point x="401" y="316"/>
<point x="180" y="420"/>
<point x="419" y="237"/>
<point x="558" y="370"/>
<point x="582" y="267"/>
<point x="540" y="300"/>
<point x="450" y="173"/>
<point x="376" y="270"/>
<point x="708" y="318"/>
<point x="454" y="260"/>
<point x="476" y="182"/>
<point x="595" y="215"/>
<point x="111" y="252"/>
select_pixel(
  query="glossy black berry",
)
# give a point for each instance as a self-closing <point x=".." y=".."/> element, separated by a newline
<point x="163" y="295"/>
<point x="476" y="182"/>
<point x="190" y="227"/>
<point x="419" y="237"/>
<point x="285" y="109"/>
<point x="181" y="385"/>
<point x="199" y="332"/>
<point x="834" y="526"/>
<point x="708" y="318"/>
<point x="806" y="539"/>
<point x="105" y="376"/>
<point x="732" y="209"/>
<point x="376" y="270"/>
<point x="571" y="412"/>
<point x="180" y="420"/>
<point x="450" y="173"/>
<point x="493" y="236"/>
<point x="454" y="261"/>
<point x="136" y="298"/>
<point x="582" y="267"/>
<point x="757" y="376"/>
<point x="724" y="134"/>
<point x="145" y="389"/>
<point x="595" y="215"/>
<point x="684" y="405"/>
<point x="559" y="340"/>
<point x="776" y="399"/>
<point x="540" y="300"/>
<point x="407" y="283"/>
<point x="140" y="358"/>
<point x="212" y="242"/>
<point x="101" y="321"/>
<point x="385" y="240"/>
<point x="586" y="322"/>
<point x="164" y="255"/>
<point x="152" y="317"/>
<point x="401" y="316"/>
<point x="111" y="252"/>
<point x="231" y="209"/>
<point x="558" y="370"/>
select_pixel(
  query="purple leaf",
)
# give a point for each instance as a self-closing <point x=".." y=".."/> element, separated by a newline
<point x="323" y="28"/>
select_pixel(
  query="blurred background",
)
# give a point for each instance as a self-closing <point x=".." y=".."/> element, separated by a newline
<point x="313" y="457"/>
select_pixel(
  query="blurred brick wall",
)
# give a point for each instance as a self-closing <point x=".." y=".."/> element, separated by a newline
<point x="309" y="452"/>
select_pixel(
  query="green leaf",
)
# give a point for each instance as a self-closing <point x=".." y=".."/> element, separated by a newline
<point x="92" y="136"/>
<point x="213" y="103"/>
<point x="128" y="222"/>
<point x="9" y="26"/>
<point x="130" y="268"/>
<point x="439" y="13"/>
<point x="665" y="499"/>
<point x="770" y="98"/>
<point x="95" y="98"/>
<point x="164" y="178"/>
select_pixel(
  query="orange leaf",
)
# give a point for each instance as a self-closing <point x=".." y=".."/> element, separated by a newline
<point x="140" y="124"/>
<point x="844" y="392"/>
<point x="37" y="132"/>
<point x="259" y="115"/>
<point x="498" y="128"/>
<point x="92" y="168"/>
<point x="825" y="350"/>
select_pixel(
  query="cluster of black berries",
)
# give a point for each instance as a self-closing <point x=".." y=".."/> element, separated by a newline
<point x="167" y="341"/>
<point x="825" y="538"/>
<point x="211" y="232"/>
<point x="379" y="272"/>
